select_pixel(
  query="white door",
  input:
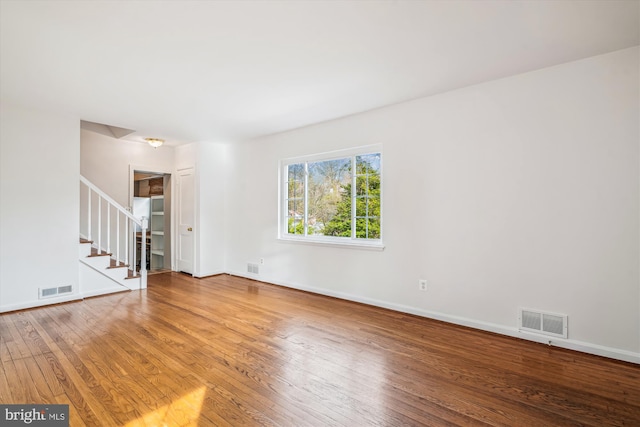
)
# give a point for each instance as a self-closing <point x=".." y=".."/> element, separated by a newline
<point x="185" y="220"/>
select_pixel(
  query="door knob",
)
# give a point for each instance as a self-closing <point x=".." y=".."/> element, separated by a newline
<point x="189" y="229"/>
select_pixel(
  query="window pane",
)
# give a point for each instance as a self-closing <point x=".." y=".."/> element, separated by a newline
<point x="295" y="190"/>
<point x="368" y="228"/>
<point x="373" y="228"/>
<point x="295" y="219"/>
<point x="368" y="206"/>
<point x="295" y="226"/>
<point x="296" y="172"/>
<point x="361" y="228"/>
<point x="326" y="190"/>
<point x="368" y="176"/>
<point x="368" y="196"/>
<point x="368" y="163"/>
<point x="362" y="207"/>
<point x="362" y="185"/>
<point x="295" y="198"/>
<point x="295" y="182"/>
<point x="296" y="208"/>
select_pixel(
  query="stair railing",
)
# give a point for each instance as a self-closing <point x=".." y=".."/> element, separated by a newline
<point x="104" y="221"/>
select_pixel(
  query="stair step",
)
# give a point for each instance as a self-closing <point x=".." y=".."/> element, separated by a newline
<point x="94" y="252"/>
<point x="131" y="276"/>
<point x="116" y="264"/>
<point x="120" y="265"/>
<point x="85" y="241"/>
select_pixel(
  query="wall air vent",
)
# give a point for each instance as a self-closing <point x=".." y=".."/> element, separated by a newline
<point x="48" y="292"/>
<point x="54" y="292"/>
<point x="65" y="289"/>
<point x="541" y="322"/>
<point x="253" y="268"/>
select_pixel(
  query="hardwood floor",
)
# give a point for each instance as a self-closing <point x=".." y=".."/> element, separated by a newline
<point x="231" y="352"/>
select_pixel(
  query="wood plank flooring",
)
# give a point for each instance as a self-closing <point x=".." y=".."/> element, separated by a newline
<point x="227" y="351"/>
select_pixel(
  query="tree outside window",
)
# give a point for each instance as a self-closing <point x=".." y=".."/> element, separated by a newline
<point x="335" y="198"/>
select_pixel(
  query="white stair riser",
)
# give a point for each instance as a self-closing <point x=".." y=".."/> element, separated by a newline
<point x="101" y="264"/>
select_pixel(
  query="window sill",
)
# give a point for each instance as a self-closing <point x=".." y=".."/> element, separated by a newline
<point x="347" y="243"/>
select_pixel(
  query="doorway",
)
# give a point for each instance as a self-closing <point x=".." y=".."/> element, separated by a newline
<point x="152" y="198"/>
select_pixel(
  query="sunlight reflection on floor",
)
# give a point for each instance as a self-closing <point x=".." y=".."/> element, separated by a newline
<point x="327" y="370"/>
<point x="184" y="411"/>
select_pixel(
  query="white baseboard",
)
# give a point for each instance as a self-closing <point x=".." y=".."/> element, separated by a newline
<point x="595" y="349"/>
<point x="39" y="303"/>
<point x="209" y="274"/>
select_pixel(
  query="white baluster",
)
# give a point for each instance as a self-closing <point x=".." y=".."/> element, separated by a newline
<point x="117" y="236"/>
<point x="99" y="224"/>
<point x="126" y="242"/>
<point x="89" y="213"/>
<point x="108" y="228"/>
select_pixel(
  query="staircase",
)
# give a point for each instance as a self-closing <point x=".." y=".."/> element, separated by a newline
<point x="108" y="251"/>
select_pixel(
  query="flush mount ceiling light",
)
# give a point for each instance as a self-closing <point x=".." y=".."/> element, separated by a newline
<point x="155" y="142"/>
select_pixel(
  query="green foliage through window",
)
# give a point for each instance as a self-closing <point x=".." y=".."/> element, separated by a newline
<point x="321" y="195"/>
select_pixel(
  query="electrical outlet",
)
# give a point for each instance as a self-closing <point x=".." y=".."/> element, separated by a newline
<point x="422" y="285"/>
<point x="261" y="260"/>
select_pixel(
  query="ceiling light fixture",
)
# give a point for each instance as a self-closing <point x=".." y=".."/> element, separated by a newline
<point x="155" y="142"/>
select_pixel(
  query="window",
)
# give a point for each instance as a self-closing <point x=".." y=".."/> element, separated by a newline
<point x="333" y="198"/>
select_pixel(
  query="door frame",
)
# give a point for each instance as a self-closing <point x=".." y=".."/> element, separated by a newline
<point x="175" y="219"/>
<point x="160" y="171"/>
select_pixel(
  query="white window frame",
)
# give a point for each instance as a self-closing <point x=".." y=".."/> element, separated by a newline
<point x="283" y="235"/>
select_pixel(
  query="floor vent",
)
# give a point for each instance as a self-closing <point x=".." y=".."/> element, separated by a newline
<point x="543" y="323"/>
<point x="53" y="292"/>
<point x="253" y="268"/>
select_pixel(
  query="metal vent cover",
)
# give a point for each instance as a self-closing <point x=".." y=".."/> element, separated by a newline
<point x="542" y="322"/>
<point x="48" y="292"/>
<point x="531" y="320"/>
<point x="253" y="268"/>
<point x="65" y="289"/>
<point x="52" y="292"/>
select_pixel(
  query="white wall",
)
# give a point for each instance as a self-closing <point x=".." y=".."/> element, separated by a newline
<point x="106" y="162"/>
<point x="39" y="204"/>
<point x="211" y="184"/>
<point x="521" y="192"/>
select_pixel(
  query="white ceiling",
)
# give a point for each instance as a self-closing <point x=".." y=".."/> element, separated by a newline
<point x="232" y="70"/>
